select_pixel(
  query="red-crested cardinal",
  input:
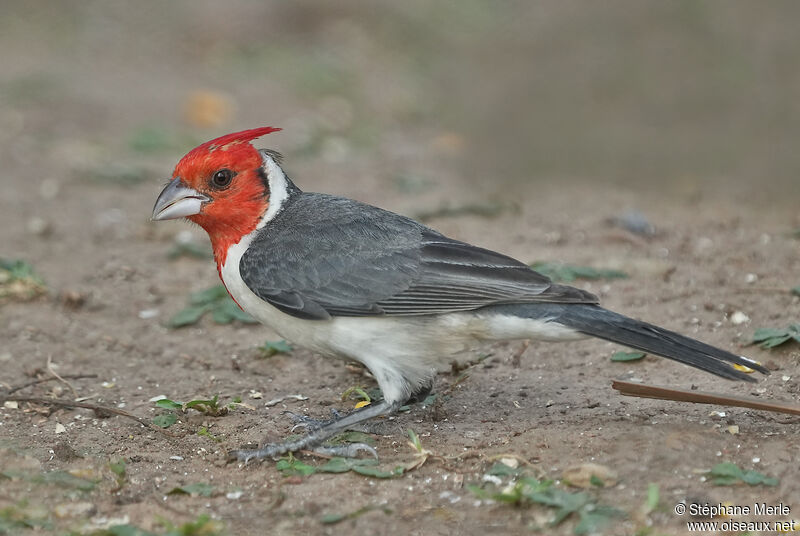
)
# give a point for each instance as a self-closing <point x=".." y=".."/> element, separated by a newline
<point x="354" y="281"/>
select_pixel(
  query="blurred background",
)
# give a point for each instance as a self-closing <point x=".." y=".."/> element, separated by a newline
<point x="692" y="99"/>
<point x="650" y="139"/>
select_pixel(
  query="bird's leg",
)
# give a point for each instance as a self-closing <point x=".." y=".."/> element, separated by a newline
<point x="314" y="439"/>
<point x="310" y="423"/>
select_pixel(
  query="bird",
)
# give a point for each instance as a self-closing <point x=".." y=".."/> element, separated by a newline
<point x="350" y="280"/>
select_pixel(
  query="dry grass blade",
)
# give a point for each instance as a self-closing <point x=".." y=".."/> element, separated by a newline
<point x="85" y="405"/>
<point x="680" y="395"/>
<point x="45" y="380"/>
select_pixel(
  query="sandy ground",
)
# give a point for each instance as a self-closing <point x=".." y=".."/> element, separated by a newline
<point x="77" y="195"/>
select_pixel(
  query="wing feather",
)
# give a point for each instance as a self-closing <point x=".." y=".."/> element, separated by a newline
<point x="325" y="256"/>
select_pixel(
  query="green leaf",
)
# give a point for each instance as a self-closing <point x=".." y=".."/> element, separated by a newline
<point x="360" y="392"/>
<point x="763" y="334"/>
<point x="234" y="311"/>
<point x="208" y="296"/>
<point x="207" y="407"/>
<point x="501" y="469"/>
<point x="166" y="420"/>
<point x="727" y="473"/>
<point x="221" y="315"/>
<point x="412" y="435"/>
<point x="564" y="502"/>
<point x="362" y="466"/>
<point x="66" y="480"/>
<point x="594" y="518"/>
<point x="627" y="356"/>
<point x="203" y="431"/>
<point x="375" y="472"/>
<point x="335" y="465"/>
<point x="652" y="497"/>
<point x="566" y="272"/>
<point x="124" y="530"/>
<point x="199" y="489"/>
<point x="118" y="467"/>
<point x="291" y="466"/>
<point x="772" y="337"/>
<point x="188" y="316"/>
<point x="430" y="400"/>
<point x="19" y="281"/>
<point x="796" y="290"/>
<point x="330" y="519"/>
<point x="595" y="480"/>
<point x="271" y="348"/>
<point x="352" y="436"/>
<point x="215" y="300"/>
<point x="166" y="403"/>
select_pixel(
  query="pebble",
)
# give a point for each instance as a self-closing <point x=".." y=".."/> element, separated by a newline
<point x="739" y="318"/>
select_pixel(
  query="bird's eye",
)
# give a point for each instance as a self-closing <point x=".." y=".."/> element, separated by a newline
<point x="222" y="178"/>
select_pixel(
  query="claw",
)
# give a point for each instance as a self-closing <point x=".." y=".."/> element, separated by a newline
<point x="317" y="434"/>
<point x="243" y="455"/>
<point x="300" y="425"/>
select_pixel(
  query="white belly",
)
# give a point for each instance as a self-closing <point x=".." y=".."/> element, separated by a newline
<point x="403" y="353"/>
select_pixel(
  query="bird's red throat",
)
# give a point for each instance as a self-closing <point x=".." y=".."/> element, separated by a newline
<point x="232" y="215"/>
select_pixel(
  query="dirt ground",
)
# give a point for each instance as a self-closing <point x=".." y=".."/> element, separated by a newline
<point x="95" y="117"/>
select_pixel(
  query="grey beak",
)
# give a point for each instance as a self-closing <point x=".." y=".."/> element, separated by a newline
<point x="178" y="201"/>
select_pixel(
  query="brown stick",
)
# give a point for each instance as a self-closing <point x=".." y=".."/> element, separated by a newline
<point x="84" y="405"/>
<point x="44" y="380"/>
<point x="680" y="395"/>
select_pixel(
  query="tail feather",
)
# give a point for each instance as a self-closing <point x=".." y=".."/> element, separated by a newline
<point x="604" y="324"/>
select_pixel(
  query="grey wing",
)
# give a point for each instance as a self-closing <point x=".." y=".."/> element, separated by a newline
<point x="325" y="256"/>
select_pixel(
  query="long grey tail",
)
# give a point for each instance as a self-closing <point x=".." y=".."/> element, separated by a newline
<point x="604" y="324"/>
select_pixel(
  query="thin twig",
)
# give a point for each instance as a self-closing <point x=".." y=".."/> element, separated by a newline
<point x="54" y="373"/>
<point x="779" y="290"/>
<point x="698" y="397"/>
<point x="44" y="380"/>
<point x="85" y="405"/>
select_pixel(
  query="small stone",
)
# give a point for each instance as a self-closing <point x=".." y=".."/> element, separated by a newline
<point x="60" y="429"/>
<point x="73" y="299"/>
<point x="739" y="317"/>
<point x="510" y="462"/>
<point x="39" y="226"/>
<point x="11" y="404"/>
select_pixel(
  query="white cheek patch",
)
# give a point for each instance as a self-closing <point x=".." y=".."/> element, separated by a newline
<point x="278" y="188"/>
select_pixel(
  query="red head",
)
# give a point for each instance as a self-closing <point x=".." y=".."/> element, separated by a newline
<point x="220" y="186"/>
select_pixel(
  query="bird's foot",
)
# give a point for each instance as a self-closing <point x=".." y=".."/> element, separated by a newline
<point x="309" y="423"/>
<point x="273" y="450"/>
<point x="318" y="435"/>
